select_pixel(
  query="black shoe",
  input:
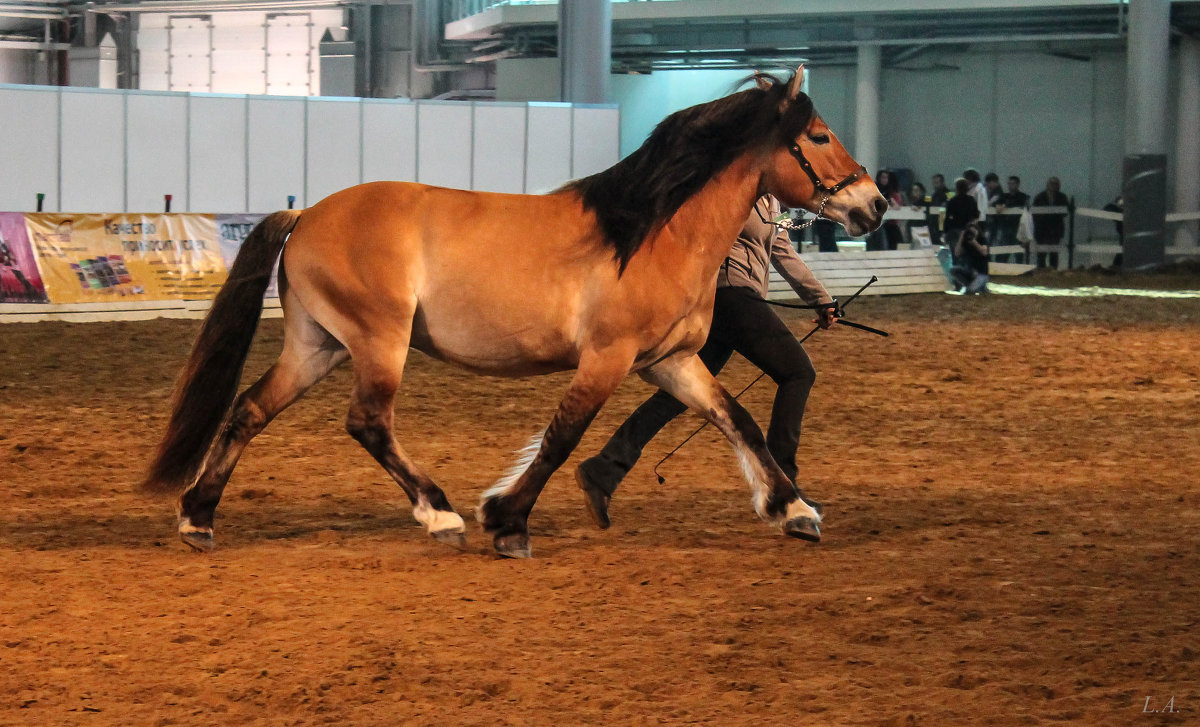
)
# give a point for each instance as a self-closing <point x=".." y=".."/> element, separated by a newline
<point x="595" y="498"/>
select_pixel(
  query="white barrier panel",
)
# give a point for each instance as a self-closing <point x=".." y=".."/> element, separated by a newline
<point x="29" y="142"/>
<point x="597" y="139"/>
<point x="123" y="150"/>
<point x="499" y="144"/>
<point x="275" y="152"/>
<point x="334" y="132"/>
<point x="156" y="153"/>
<point x="548" y="153"/>
<point x="92" y="140"/>
<point x="444" y="144"/>
<point x="389" y="138"/>
<point x="216" y="154"/>
<point x="842" y="273"/>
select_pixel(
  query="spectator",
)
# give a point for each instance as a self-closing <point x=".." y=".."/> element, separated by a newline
<point x="978" y="191"/>
<point x="1049" y="228"/>
<point x="971" y="270"/>
<point x="961" y="210"/>
<point x="825" y="235"/>
<point x="1006" y="225"/>
<point x="916" y="195"/>
<point x="888" y="237"/>
<point x="993" y="192"/>
<point x="940" y="194"/>
<point x="937" y="198"/>
<point x="919" y="201"/>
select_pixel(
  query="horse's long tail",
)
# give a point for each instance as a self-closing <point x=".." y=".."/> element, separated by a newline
<point x="209" y="381"/>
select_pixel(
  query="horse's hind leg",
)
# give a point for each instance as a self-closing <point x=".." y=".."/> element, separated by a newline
<point x="309" y="353"/>
<point x="776" y="498"/>
<point x="504" y="509"/>
<point x="377" y="373"/>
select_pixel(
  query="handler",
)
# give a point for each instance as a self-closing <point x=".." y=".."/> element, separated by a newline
<point x="744" y="322"/>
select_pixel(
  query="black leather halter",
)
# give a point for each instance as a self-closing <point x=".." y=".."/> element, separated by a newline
<point x="818" y="186"/>
<point x="812" y="174"/>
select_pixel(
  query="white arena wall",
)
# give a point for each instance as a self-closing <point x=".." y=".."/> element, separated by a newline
<point x="91" y="150"/>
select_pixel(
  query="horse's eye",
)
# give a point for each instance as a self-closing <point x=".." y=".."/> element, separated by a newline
<point x="819" y="138"/>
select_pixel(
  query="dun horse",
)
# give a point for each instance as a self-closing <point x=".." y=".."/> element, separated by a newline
<point x="611" y="274"/>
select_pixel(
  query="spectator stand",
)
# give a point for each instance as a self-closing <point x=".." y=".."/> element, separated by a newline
<point x="1080" y="222"/>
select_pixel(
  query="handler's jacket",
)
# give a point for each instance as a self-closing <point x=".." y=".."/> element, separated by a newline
<point x="758" y="242"/>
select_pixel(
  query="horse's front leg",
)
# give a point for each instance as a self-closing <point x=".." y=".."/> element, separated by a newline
<point x="776" y="498"/>
<point x="504" y="509"/>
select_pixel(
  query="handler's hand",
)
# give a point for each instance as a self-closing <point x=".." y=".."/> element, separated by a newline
<point x="825" y="318"/>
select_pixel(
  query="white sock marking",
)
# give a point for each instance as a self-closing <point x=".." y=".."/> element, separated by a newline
<point x="800" y="508"/>
<point x="436" y="521"/>
<point x="185" y="526"/>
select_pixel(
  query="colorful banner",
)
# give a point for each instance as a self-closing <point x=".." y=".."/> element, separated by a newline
<point x="232" y="230"/>
<point x="103" y="258"/>
<point x="20" y="281"/>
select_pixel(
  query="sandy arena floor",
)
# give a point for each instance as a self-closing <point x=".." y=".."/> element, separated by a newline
<point x="1012" y="537"/>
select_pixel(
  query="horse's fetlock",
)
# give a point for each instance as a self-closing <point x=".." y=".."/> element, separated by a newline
<point x="497" y="516"/>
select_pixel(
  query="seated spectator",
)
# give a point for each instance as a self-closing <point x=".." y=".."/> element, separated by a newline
<point x="888" y="236"/>
<point x="916" y="196"/>
<point x="970" y="272"/>
<point x="940" y="194"/>
<point x="919" y="202"/>
<point x="1006" y="224"/>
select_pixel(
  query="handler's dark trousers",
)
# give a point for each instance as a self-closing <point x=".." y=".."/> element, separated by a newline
<point x="742" y="322"/>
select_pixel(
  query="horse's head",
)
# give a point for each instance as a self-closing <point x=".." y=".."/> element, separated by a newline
<point x="808" y="167"/>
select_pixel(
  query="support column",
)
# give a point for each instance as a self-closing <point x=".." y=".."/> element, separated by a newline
<point x="1187" y="147"/>
<point x="866" y="107"/>
<point x="1145" y="172"/>
<point x="585" y="49"/>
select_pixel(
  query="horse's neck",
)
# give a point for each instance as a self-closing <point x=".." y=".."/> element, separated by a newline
<point x="705" y="227"/>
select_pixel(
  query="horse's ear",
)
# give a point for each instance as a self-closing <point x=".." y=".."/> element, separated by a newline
<point x="762" y="82"/>
<point x="797" y="81"/>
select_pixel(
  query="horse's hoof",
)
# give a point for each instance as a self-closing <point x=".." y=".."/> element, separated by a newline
<point x="450" y="536"/>
<point x="514" y="545"/>
<point x="804" y="528"/>
<point x="199" y="540"/>
<point x="594" y="499"/>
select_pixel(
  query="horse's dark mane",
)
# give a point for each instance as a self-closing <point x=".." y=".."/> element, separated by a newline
<point x="641" y="192"/>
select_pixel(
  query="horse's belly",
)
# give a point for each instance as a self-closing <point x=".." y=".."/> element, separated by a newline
<point x="483" y="345"/>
